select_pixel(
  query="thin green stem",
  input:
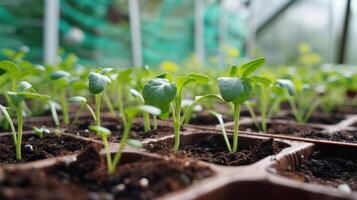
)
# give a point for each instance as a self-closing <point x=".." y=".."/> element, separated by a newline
<point x="79" y="112"/>
<point x="121" y="105"/>
<point x="123" y="142"/>
<point x="177" y="123"/>
<point x="19" y="131"/>
<point x="91" y="112"/>
<point x="64" y="106"/>
<point x="252" y="114"/>
<point x="107" y="150"/>
<point x="108" y="103"/>
<point x="97" y="109"/>
<point x="155" y="122"/>
<point x="147" y="126"/>
<point x="236" y="114"/>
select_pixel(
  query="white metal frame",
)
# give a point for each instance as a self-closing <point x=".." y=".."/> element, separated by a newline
<point x="51" y="38"/>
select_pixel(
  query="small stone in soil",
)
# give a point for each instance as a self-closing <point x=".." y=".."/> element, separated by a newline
<point x="144" y="182"/>
<point x="28" y="148"/>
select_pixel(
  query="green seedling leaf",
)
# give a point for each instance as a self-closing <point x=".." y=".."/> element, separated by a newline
<point x="97" y="82"/>
<point x="106" y="70"/>
<point x="262" y="80"/>
<point x="233" y="71"/>
<point x="59" y="74"/>
<point x="135" y="143"/>
<point x="132" y="111"/>
<point x="30" y="95"/>
<point x="11" y="68"/>
<point x="77" y="99"/>
<point x="167" y="76"/>
<point x="137" y="94"/>
<point x="24" y="86"/>
<point x="287" y="84"/>
<point x="159" y="92"/>
<point x="124" y="75"/>
<point x="235" y="90"/>
<point x="200" y="78"/>
<point x="100" y="129"/>
<point x="230" y="88"/>
<point x="8" y="118"/>
<point x="41" y="131"/>
<point x="251" y="66"/>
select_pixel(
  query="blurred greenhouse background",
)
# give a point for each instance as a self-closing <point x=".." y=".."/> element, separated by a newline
<point x="210" y="32"/>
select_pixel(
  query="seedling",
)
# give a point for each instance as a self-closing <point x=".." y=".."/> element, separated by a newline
<point x="167" y="96"/>
<point x="147" y="126"/>
<point x="302" y="98"/>
<point x="268" y="99"/>
<point x="130" y="114"/>
<point x="97" y="84"/>
<point x="62" y="82"/>
<point x="24" y="91"/>
<point x="238" y="88"/>
<point x="83" y="103"/>
<point x="123" y="78"/>
<point x="40" y="132"/>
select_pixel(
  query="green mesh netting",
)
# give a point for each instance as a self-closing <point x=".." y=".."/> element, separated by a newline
<point x="99" y="33"/>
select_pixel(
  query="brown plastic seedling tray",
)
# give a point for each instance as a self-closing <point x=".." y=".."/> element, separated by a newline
<point x="259" y="180"/>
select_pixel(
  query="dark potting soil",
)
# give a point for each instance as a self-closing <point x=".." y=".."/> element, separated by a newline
<point x="205" y="118"/>
<point x="34" y="148"/>
<point x="112" y="123"/>
<point x="34" y="185"/>
<point x="326" y="168"/>
<point x="213" y="149"/>
<point x="115" y="125"/>
<point x="139" y="178"/>
<point x="306" y="132"/>
<point x="318" y="118"/>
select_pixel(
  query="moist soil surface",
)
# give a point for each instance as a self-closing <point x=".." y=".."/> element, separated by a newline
<point x="305" y="132"/>
<point x="81" y="128"/>
<point x="135" y="178"/>
<point x="35" y="148"/>
<point x="213" y="149"/>
<point x="317" y="118"/>
<point x="330" y="169"/>
<point x="35" y="185"/>
<point x="205" y="118"/>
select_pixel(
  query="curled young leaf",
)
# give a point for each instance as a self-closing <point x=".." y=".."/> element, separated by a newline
<point x="262" y="80"/>
<point x="124" y="75"/>
<point x="159" y="92"/>
<point x="132" y="111"/>
<point x="235" y="90"/>
<point x="137" y="94"/>
<point x="23" y="86"/>
<point x="251" y="66"/>
<point x="106" y="70"/>
<point x="97" y="82"/>
<point x="200" y="78"/>
<point x="100" y="130"/>
<point x="230" y="88"/>
<point x="135" y="143"/>
<point x="287" y="84"/>
<point x="77" y="99"/>
<point x="11" y="68"/>
<point x="59" y="74"/>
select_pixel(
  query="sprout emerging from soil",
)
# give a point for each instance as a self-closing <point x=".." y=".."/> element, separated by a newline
<point x="82" y="101"/>
<point x="161" y="92"/>
<point x="24" y="91"/>
<point x="97" y="83"/>
<point x="237" y="88"/>
<point x="61" y="79"/>
<point x="130" y="114"/>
